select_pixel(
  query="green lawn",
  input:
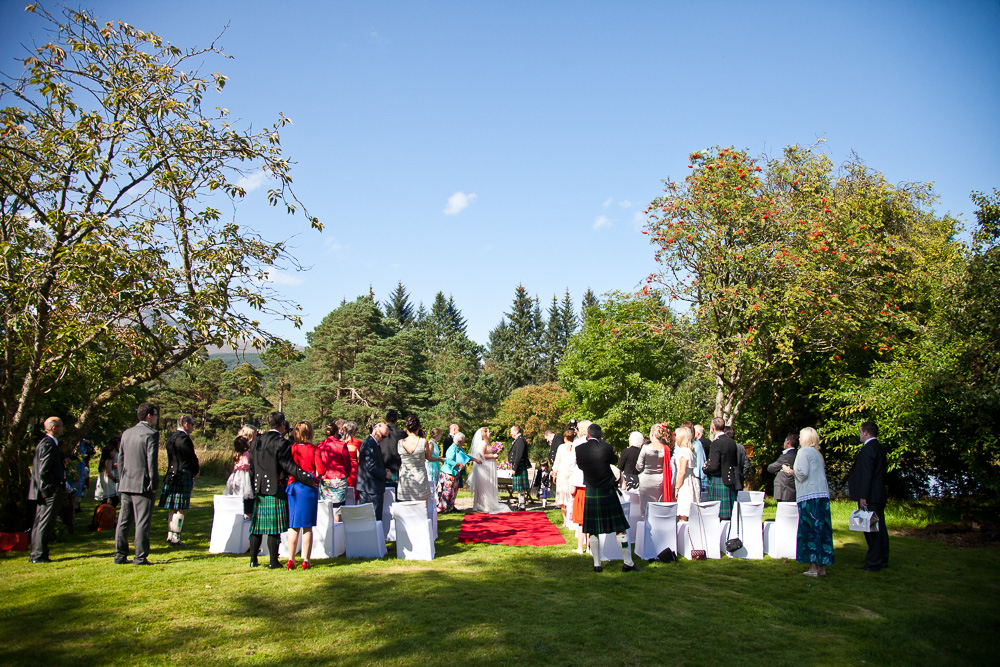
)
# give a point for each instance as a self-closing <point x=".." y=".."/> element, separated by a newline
<point x="499" y="605"/>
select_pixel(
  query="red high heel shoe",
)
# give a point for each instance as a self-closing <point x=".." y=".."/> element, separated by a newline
<point x="305" y="565"/>
<point x="290" y="565"/>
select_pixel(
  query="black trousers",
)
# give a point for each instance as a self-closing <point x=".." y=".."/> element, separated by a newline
<point x="878" y="543"/>
<point x="44" y="527"/>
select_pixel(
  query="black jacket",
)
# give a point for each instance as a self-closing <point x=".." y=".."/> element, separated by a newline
<point x="722" y="460"/>
<point x="271" y="464"/>
<point x="554" y="447"/>
<point x="48" y="474"/>
<point x="517" y="457"/>
<point x="180" y="454"/>
<point x="867" y="478"/>
<point x="390" y="450"/>
<point x="595" y="458"/>
<point x="784" y="483"/>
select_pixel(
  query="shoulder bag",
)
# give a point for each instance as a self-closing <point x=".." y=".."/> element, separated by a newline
<point x="700" y="554"/>
<point x="735" y="543"/>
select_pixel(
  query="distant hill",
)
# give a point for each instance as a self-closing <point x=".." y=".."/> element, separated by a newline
<point x="234" y="359"/>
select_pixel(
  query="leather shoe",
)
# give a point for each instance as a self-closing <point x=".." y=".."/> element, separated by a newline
<point x="254" y="564"/>
<point x="123" y="562"/>
<point x="41" y="559"/>
<point x="141" y="562"/>
<point x="871" y="569"/>
<point x="274" y="566"/>
<point x="629" y="568"/>
<point x="598" y="568"/>
<point x="178" y="543"/>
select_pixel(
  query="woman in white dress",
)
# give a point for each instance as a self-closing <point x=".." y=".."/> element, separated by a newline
<point x="483" y="480"/>
<point x="562" y="471"/>
<point x="685" y="483"/>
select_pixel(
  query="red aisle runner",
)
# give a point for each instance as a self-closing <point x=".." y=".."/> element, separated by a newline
<point x="527" y="529"/>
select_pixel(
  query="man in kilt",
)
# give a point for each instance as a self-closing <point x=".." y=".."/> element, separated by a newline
<point x="138" y="477"/>
<point x="720" y="468"/>
<point x="602" y="511"/>
<point x="182" y="468"/>
<point x="517" y="457"/>
<point x="271" y="465"/>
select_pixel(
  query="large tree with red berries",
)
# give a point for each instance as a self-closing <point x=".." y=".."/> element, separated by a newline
<point x="763" y="261"/>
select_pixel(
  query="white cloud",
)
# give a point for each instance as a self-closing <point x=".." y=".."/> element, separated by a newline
<point x="608" y="202"/>
<point x="458" y="202"/>
<point x="376" y="37"/>
<point x="332" y="245"/>
<point x="282" y="278"/>
<point x="252" y="181"/>
<point x="625" y="203"/>
<point x="638" y="220"/>
<point x="602" y="221"/>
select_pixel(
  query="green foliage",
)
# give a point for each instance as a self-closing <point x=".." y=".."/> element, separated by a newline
<point x="516" y="352"/>
<point x="535" y="408"/>
<point x="399" y="308"/>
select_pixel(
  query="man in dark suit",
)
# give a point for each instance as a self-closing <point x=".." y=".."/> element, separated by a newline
<point x="138" y="478"/>
<point x="602" y="509"/>
<point x="182" y="468"/>
<point x="784" y="483"/>
<point x="866" y="485"/>
<point x="372" y="472"/>
<point x="742" y="460"/>
<point x="390" y="447"/>
<point x="48" y="483"/>
<point x="721" y="469"/>
<point x="517" y="457"/>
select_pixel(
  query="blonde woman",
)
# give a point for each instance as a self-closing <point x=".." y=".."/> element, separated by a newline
<point x="653" y="459"/>
<point x="812" y="494"/>
<point x="686" y="488"/>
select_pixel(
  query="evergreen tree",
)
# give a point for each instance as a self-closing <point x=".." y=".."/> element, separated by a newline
<point x="399" y="308"/>
<point x="516" y="345"/>
<point x="589" y="301"/>
<point x="553" y="344"/>
<point x="456" y="322"/>
<point x="568" y="317"/>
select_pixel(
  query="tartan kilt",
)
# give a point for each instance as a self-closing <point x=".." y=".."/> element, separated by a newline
<point x="176" y="494"/>
<point x="724" y="493"/>
<point x="519" y="482"/>
<point x="602" y="512"/>
<point x="270" y="515"/>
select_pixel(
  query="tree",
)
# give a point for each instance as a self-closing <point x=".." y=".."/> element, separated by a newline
<point x="588" y="301"/>
<point x="769" y="263"/>
<point x="535" y="408"/>
<point x="399" y="308"/>
<point x="278" y="360"/>
<point x="515" y="350"/>
<point x="113" y="254"/>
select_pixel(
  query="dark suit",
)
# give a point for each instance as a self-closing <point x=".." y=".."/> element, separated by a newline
<point x="271" y="464"/>
<point x="517" y="457"/>
<point x="723" y="460"/>
<point x="784" y="483"/>
<point x="390" y="453"/>
<point x="742" y="466"/>
<point x="554" y="447"/>
<point x="139" y="475"/>
<point x="48" y="482"/>
<point x="867" y="482"/>
<point x="371" y="476"/>
<point x="181" y="455"/>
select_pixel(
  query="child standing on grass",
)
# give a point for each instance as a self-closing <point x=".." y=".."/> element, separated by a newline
<point x="239" y="483"/>
<point x="544" y="482"/>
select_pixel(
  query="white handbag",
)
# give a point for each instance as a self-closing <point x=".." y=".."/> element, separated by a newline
<point x="863" y="521"/>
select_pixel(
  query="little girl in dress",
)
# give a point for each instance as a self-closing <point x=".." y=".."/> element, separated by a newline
<point x="239" y="483"/>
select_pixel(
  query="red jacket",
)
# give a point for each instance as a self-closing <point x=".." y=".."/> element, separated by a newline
<point x="333" y="460"/>
<point x="304" y="455"/>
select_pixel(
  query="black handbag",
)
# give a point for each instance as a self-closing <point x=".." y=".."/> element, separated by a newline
<point x="735" y="543"/>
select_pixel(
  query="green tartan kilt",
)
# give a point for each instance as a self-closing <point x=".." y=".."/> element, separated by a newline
<point x="519" y="482"/>
<point x="602" y="512"/>
<point x="176" y="495"/>
<point x="725" y="494"/>
<point x="270" y="515"/>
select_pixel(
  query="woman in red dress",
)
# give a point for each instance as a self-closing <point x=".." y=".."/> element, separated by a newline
<point x="333" y="467"/>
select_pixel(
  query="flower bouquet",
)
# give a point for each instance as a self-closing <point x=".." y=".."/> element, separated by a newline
<point x="496" y="447"/>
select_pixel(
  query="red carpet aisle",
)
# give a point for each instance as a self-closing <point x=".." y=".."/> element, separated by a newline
<point x="521" y="529"/>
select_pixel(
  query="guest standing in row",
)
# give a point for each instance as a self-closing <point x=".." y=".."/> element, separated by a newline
<point x="390" y="447"/>
<point x="434" y="461"/>
<point x="814" y="543"/>
<point x="348" y="434"/>
<point x="866" y="485"/>
<point x="686" y="488"/>
<point x="649" y="465"/>
<point x="562" y="472"/>
<point x="519" y="463"/>
<point x="602" y="512"/>
<point x="454" y="463"/>
<point x="48" y="485"/>
<point x="182" y="469"/>
<point x="784" y="483"/>
<point x="303" y="499"/>
<point x="334" y="468"/>
<point x="271" y="466"/>
<point x="139" y="477"/>
<point x="371" y="471"/>
<point x="107" y="473"/>
<point x="239" y="482"/>
<point x="627" y="461"/>
<point x="721" y="469"/>
<point x="414" y="453"/>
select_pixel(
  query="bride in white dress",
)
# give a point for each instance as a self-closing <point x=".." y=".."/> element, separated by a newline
<point x="483" y="480"/>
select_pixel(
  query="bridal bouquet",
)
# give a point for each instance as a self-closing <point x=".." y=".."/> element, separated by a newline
<point x="496" y="447"/>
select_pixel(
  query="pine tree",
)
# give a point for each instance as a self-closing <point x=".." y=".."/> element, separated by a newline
<point x="516" y="344"/>
<point x="456" y="322"/>
<point x="399" y="307"/>
<point x="553" y="341"/>
<point x="569" y="319"/>
<point x="589" y="301"/>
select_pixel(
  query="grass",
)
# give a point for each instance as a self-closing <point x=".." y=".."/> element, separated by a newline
<point x="496" y="605"/>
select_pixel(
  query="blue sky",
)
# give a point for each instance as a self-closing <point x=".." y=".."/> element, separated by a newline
<point x="470" y="146"/>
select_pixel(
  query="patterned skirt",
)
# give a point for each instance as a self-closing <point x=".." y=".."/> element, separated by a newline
<point x="724" y="493"/>
<point x="334" y="490"/>
<point x="270" y="516"/>
<point x="815" y="535"/>
<point x="446" y="492"/>
<point x="602" y="512"/>
<point x="176" y="494"/>
<point x="519" y="482"/>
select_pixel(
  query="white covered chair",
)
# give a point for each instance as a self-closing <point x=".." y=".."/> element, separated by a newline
<point x="682" y="538"/>
<point x="781" y="535"/>
<point x="328" y="535"/>
<point x="414" y="532"/>
<point x="610" y="547"/>
<point x="750" y="530"/>
<point x="388" y="524"/>
<point x="350" y="497"/>
<point x="634" y="515"/>
<point x="363" y="535"/>
<point x="750" y="496"/>
<point x="230" y="531"/>
<point x="658" y="531"/>
<point x="709" y="518"/>
<point x="432" y="513"/>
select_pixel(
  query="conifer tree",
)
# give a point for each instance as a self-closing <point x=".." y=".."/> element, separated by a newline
<point x="399" y="307"/>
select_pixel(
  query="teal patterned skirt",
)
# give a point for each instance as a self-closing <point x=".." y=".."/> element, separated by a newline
<point x="815" y="536"/>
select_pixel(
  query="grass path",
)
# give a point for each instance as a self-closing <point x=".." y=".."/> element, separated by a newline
<point x="491" y="604"/>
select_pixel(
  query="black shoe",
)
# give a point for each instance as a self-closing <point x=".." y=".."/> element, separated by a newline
<point x="254" y="563"/>
<point x="629" y="568"/>
<point x="871" y="569"/>
<point x="598" y="568"/>
<point x="123" y="562"/>
<point x="141" y="562"/>
<point x="40" y="559"/>
<point x="274" y="566"/>
<point x="178" y="543"/>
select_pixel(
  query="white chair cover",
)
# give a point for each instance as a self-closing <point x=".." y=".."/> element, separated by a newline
<point x="432" y="513"/>
<point x="610" y="548"/>
<point x="230" y="532"/>
<point x="328" y="535"/>
<point x="388" y="524"/>
<point x="750" y="531"/>
<point x="658" y="531"/>
<point x="414" y="533"/>
<point x="709" y="517"/>
<point x="363" y="535"/>
<point x="682" y="538"/>
<point x="750" y="496"/>
<point x="781" y="535"/>
<point x="634" y="515"/>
